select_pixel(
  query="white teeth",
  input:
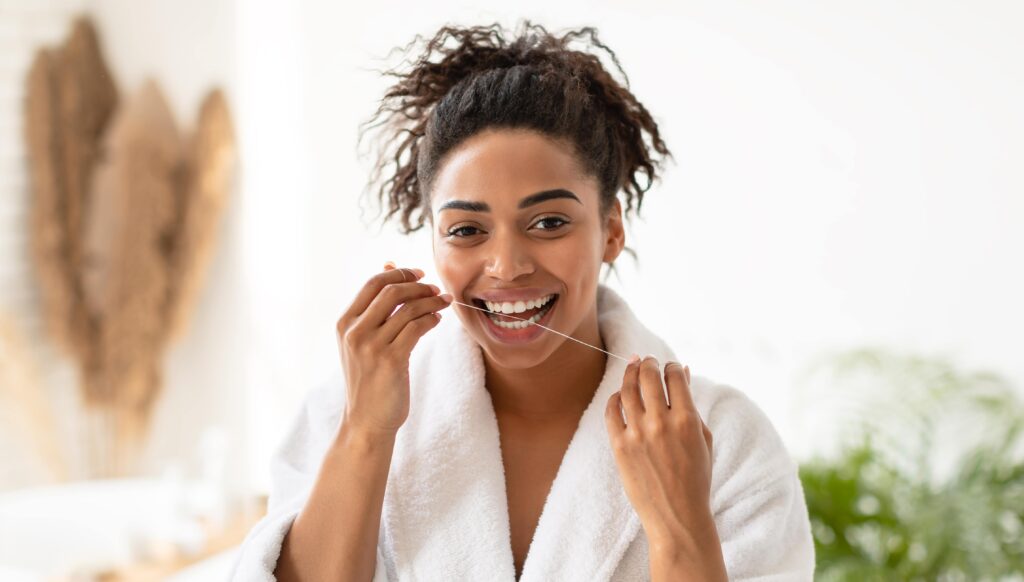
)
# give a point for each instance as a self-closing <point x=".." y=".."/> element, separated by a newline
<point x="519" y="324"/>
<point x="517" y="306"/>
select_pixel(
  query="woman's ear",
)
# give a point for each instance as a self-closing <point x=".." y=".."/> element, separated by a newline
<point x="615" y="233"/>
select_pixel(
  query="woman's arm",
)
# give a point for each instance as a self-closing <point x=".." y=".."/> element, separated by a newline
<point x="335" y="535"/>
<point x="330" y="473"/>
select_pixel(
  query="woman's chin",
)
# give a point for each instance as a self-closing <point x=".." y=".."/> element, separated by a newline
<point x="522" y="357"/>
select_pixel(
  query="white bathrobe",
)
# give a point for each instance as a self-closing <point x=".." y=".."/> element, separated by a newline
<point x="445" y="514"/>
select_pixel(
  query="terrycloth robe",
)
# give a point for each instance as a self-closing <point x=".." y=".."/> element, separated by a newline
<point x="445" y="514"/>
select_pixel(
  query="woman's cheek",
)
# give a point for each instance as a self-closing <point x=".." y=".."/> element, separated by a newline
<point x="447" y="268"/>
<point x="455" y="268"/>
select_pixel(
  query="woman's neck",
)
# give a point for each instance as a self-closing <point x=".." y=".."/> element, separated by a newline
<point x="562" y="385"/>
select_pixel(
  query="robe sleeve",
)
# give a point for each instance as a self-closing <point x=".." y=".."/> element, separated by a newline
<point x="294" y="467"/>
<point x="757" y="498"/>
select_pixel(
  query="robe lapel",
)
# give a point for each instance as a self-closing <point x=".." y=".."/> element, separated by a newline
<point x="588" y="521"/>
<point x="446" y="509"/>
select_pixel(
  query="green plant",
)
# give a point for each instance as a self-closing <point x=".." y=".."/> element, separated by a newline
<point x="928" y="483"/>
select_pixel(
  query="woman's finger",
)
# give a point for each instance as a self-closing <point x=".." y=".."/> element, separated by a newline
<point x="678" y="379"/>
<point x="412" y="310"/>
<point x="631" y="403"/>
<point x="413" y="331"/>
<point x="390" y="297"/>
<point x="613" y="414"/>
<point x="651" y="385"/>
<point x="708" y="440"/>
<point x="674" y="381"/>
<point x="373" y="287"/>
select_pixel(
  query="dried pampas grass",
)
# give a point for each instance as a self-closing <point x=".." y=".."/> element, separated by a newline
<point x="122" y="239"/>
<point x="209" y="164"/>
<point x="127" y="242"/>
<point x="23" y="402"/>
<point x="71" y="99"/>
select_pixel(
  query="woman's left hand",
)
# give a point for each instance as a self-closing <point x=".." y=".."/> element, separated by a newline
<point x="663" y="454"/>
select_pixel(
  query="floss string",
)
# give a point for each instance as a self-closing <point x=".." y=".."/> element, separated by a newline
<point x="544" y="327"/>
<point x="528" y="322"/>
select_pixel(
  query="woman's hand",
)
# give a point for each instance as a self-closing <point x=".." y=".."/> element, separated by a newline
<point x="664" y="457"/>
<point x="375" y="340"/>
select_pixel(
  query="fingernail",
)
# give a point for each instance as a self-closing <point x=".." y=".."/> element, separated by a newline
<point x="447" y="297"/>
<point x="434" y="288"/>
<point x="686" y="370"/>
<point x="389" y="266"/>
<point x="419" y="272"/>
<point x="634" y="359"/>
<point x="651" y="356"/>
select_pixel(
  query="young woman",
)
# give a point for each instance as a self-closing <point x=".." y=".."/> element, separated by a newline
<point x="480" y="446"/>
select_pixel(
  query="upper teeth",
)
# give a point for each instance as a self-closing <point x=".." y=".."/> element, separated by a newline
<point x="517" y="306"/>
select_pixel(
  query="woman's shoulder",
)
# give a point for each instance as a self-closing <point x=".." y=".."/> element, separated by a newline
<point x="719" y="402"/>
<point x="756" y="493"/>
<point x="745" y="442"/>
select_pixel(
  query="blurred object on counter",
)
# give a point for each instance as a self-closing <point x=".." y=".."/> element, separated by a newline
<point x="123" y="529"/>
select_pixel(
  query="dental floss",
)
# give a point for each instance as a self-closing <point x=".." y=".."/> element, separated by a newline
<point x="627" y="360"/>
<point x="544" y="327"/>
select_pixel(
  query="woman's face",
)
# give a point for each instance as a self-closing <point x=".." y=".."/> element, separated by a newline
<point x="518" y="230"/>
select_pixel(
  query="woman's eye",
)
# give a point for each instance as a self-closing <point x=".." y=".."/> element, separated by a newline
<point x="463" y="231"/>
<point x="550" y="223"/>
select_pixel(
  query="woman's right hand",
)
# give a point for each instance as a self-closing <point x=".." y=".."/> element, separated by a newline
<point x="375" y="342"/>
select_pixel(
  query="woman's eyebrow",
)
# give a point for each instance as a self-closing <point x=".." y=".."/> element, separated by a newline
<point x="530" y="200"/>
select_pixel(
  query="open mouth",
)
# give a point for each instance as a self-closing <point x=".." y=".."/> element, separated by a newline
<point x="517" y="314"/>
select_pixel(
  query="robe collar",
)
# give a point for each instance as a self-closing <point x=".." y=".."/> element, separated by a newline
<point x="446" y="510"/>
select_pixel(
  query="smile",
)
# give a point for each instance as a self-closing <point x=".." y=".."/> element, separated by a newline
<point x="519" y="314"/>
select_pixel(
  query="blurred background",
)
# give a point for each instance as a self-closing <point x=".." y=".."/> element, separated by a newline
<point x="840" y="239"/>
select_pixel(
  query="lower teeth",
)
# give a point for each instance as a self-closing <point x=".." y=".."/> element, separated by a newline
<point x="521" y="324"/>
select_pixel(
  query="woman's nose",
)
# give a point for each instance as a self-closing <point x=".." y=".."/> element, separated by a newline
<point x="509" y="260"/>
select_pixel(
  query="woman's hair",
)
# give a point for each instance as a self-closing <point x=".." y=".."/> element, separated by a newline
<point x="468" y="79"/>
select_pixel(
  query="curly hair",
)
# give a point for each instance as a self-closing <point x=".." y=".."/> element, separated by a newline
<point x="468" y="79"/>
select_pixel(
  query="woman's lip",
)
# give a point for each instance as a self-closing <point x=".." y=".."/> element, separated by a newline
<point x="526" y="334"/>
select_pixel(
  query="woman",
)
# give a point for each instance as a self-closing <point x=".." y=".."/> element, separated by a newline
<point x="490" y="448"/>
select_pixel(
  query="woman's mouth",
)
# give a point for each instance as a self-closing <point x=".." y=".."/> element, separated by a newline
<point x="514" y="320"/>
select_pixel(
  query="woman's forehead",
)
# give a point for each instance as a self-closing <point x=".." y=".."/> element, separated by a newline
<point x="504" y="166"/>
